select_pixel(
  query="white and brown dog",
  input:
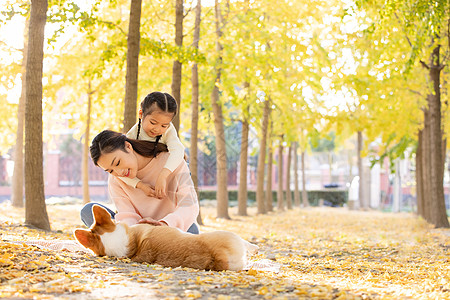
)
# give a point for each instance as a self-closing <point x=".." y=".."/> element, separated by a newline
<point x="167" y="246"/>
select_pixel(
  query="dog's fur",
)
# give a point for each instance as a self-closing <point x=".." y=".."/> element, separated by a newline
<point x="167" y="246"/>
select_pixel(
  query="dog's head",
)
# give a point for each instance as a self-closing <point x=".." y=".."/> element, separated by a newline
<point x="105" y="237"/>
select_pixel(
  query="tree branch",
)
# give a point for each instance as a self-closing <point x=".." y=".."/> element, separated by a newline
<point x="404" y="30"/>
<point x="414" y="92"/>
<point x="115" y="25"/>
<point x="424" y="64"/>
<point x="2" y="43"/>
<point x="187" y="13"/>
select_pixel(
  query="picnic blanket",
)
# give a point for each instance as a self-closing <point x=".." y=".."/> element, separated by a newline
<point x="72" y="246"/>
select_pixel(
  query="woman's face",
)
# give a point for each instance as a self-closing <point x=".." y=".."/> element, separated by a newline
<point x="120" y="163"/>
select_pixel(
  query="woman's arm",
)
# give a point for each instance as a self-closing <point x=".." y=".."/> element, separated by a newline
<point x="126" y="211"/>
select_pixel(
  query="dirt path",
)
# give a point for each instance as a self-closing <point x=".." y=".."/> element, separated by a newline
<point x="325" y="253"/>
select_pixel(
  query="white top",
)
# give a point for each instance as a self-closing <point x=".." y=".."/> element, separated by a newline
<point x="170" y="139"/>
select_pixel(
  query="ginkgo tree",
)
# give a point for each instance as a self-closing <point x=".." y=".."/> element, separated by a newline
<point x="408" y="42"/>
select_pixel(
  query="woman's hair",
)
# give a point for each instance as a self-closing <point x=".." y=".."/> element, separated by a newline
<point x="109" y="141"/>
<point x="157" y="101"/>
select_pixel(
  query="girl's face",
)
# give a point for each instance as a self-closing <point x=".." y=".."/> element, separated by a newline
<point x="156" y="123"/>
<point x="120" y="163"/>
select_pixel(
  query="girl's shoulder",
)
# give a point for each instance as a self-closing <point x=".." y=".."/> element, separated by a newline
<point x="171" y="131"/>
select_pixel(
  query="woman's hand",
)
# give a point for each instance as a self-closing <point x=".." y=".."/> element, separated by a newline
<point x="152" y="221"/>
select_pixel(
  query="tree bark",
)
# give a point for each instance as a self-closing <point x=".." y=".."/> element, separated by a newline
<point x="288" y="178"/>
<point x="305" y="200"/>
<point x="280" y="197"/>
<point x="296" y="186"/>
<point x="35" y="209"/>
<point x="193" y="153"/>
<point x="177" y="65"/>
<point x="221" y="152"/>
<point x="269" y="194"/>
<point x="261" y="205"/>
<point x="426" y="170"/>
<point x="243" y="159"/>
<point x="419" y="175"/>
<point x="438" y="214"/>
<point x="85" y="159"/>
<point x="18" y="173"/>
<point x="131" y="80"/>
<point x="361" y="191"/>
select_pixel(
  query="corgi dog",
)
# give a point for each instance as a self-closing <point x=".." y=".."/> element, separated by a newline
<point x="166" y="246"/>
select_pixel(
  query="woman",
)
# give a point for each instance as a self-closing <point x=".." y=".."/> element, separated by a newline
<point x="124" y="157"/>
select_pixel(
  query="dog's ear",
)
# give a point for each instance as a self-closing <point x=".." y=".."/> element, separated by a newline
<point x="101" y="215"/>
<point x="84" y="237"/>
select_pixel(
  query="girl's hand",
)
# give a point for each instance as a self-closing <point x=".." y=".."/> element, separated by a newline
<point x="161" y="183"/>
<point x="152" y="221"/>
<point x="147" y="189"/>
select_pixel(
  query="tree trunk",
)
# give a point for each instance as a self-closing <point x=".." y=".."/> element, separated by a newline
<point x="361" y="192"/>
<point x="350" y="156"/>
<point x="18" y="173"/>
<point x="280" y="197"/>
<point x="288" y="179"/>
<point x="221" y="152"/>
<point x="269" y="195"/>
<point x="262" y="207"/>
<point x="296" y="187"/>
<point x="193" y="153"/>
<point x="419" y="175"/>
<point x="177" y="66"/>
<point x="438" y="214"/>
<point x="305" y="200"/>
<point x="242" y="192"/>
<point x="131" y="80"/>
<point x="426" y="170"/>
<point x="85" y="162"/>
<point x="35" y="209"/>
<point x="269" y="192"/>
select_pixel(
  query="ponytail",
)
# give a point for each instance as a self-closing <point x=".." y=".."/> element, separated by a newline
<point x="155" y="150"/>
<point x="139" y="129"/>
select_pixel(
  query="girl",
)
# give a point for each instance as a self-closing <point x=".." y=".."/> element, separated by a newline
<point x="119" y="155"/>
<point x="155" y="124"/>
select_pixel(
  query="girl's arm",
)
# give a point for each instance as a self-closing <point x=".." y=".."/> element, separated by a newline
<point x="138" y="184"/>
<point x="176" y="155"/>
<point x="185" y="198"/>
<point x="130" y="181"/>
<point x="175" y="147"/>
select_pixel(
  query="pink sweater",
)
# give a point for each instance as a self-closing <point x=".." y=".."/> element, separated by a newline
<point x="179" y="209"/>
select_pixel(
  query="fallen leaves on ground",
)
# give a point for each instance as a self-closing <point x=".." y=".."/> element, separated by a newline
<point x="326" y="253"/>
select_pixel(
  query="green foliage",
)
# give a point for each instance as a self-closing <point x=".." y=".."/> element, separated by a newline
<point x="14" y="8"/>
<point x="326" y="144"/>
<point x="329" y="68"/>
<point x="8" y="123"/>
<point x="392" y="152"/>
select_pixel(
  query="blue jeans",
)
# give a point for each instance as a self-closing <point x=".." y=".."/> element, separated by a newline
<point x="88" y="218"/>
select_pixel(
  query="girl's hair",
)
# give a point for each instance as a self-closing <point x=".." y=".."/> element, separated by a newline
<point x="109" y="141"/>
<point x="157" y="101"/>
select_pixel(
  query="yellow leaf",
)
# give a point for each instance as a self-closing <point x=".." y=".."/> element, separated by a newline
<point x="263" y="290"/>
<point x="192" y="294"/>
<point x="252" y="272"/>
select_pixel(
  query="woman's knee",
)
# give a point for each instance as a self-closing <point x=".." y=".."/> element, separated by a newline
<point x="193" y="229"/>
<point x="86" y="213"/>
